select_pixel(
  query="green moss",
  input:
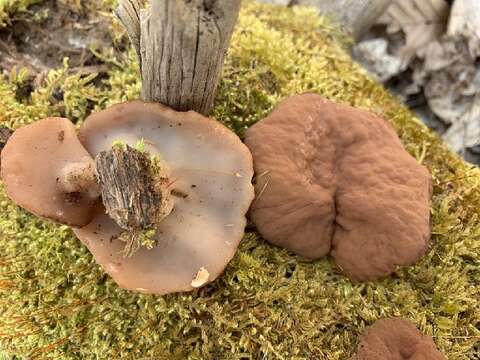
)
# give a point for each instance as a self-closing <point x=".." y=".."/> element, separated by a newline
<point x="55" y="302"/>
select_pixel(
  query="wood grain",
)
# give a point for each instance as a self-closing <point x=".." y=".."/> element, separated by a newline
<point x="128" y="188"/>
<point x="181" y="46"/>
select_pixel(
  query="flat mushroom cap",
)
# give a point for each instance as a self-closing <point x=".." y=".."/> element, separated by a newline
<point x="396" y="339"/>
<point x="331" y="177"/>
<point x="32" y="163"/>
<point x="211" y="172"/>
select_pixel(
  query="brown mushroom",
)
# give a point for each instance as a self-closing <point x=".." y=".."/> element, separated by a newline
<point x="331" y="177"/>
<point x="209" y="172"/>
<point x="47" y="171"/>
<point x="396" y="339"/>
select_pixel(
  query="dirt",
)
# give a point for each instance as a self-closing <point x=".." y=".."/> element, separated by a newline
<point x="5" y="133"/>
<point x="42" y="38"/>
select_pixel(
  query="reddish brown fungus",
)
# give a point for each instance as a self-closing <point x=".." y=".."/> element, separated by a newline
<point x="335" y="179"/>
<point x="396" y="339"/>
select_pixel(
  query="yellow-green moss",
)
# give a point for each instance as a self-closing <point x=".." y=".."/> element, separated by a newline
<point x="55" y="302"/>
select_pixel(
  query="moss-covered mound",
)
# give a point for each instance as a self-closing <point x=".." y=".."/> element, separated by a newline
<point x="55" y="302"/>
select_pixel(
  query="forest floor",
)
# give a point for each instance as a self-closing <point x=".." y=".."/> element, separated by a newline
<point x="56" y="302"/>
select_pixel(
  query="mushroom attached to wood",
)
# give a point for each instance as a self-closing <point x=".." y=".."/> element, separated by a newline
<point x="333" y="178"/>
<point x="396" y="339"/>
<point x="206" y="180"/>
<point x="47" y="171"/>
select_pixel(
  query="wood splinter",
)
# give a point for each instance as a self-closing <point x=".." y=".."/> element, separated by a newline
<point x="135" y="193"/>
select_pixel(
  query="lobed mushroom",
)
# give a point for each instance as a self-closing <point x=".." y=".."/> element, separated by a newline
<point x="175" y="188"/>
<point x="334" y="179"/>
<point x="396" y="339"/>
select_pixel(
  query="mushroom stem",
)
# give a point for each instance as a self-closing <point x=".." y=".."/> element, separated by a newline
<point x="79" y="177"/>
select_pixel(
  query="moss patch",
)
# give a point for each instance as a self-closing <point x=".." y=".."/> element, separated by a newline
<point x="55" y="302"/>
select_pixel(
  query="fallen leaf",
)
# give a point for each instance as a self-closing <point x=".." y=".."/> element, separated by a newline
<point x="422" y="21"/>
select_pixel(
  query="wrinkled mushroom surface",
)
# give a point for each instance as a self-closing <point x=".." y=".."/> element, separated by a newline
<point x="43" y="167"/>
<point x="331" y="177"/>
<point x="211" y="172"/>
<point x="396" y="339"/>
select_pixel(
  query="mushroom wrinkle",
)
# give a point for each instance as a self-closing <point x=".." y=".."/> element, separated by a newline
<point x="396" y="339"/>
<point x="47" y="171"/>
<point x="333" y="178"/>
<point x="206" y="182"/>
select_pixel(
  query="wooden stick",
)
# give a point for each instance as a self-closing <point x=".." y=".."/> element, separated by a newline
<point x="181" y="46"/>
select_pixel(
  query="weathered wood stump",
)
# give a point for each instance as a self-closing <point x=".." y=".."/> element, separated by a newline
<point x="181" y="45"/>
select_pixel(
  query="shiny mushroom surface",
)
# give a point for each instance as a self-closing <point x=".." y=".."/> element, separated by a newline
<point x="47" y="171"/>
<point x="210" y="173"/>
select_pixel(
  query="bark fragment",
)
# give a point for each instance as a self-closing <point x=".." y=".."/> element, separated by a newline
<point x="134" y="192"/>
<point x="129" y="192"/>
